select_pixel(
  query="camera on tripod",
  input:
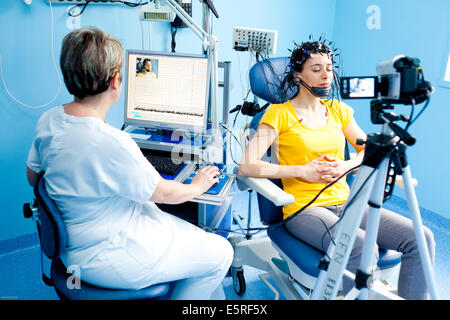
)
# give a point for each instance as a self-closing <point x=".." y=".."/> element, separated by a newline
<point x="400" y="80"/>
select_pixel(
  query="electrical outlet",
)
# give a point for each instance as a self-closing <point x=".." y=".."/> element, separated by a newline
<point x="257" y="40"/>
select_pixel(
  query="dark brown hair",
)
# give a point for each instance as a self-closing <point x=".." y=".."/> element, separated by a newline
<point x="300" y="54"/>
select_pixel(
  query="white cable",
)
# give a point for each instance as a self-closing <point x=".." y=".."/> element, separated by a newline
<point x="240" y="76"/>
<point x="250" y="64"/>
<point x="142" y="28"/>
<point x="54" y="64"/>
<point x="149" y="35"/>
<point x="142" y="35"/>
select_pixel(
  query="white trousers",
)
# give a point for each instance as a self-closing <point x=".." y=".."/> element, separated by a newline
<point x="142" y="255"/>
<point x="199" y="266"/>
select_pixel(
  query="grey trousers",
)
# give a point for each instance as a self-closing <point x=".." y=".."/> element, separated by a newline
<point x="395" y="232"/>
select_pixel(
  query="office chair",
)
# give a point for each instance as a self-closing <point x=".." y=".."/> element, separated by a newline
<point x="297" y="261"/>
<point x="53" y="240"/>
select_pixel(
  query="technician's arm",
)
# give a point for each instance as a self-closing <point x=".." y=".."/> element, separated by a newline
<point x="172" y="192"/>
<point x="252" y="165"/>
<point x="31" y="176"/>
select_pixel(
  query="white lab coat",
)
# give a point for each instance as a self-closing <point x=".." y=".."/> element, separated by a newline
<point x="101" y="182"/>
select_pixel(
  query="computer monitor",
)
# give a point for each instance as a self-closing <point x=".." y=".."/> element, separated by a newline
<point x="167" y="90"/>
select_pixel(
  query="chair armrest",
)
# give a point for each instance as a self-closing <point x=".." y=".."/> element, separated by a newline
<point x="266" y="188"/>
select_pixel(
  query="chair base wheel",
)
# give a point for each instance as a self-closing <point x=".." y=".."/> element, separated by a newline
<point x="238" y="280"/>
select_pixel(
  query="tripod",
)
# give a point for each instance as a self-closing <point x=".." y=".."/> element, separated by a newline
<point x="369" y="188"/>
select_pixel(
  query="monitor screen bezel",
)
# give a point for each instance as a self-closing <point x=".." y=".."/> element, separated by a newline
<point x="159" y="124"/>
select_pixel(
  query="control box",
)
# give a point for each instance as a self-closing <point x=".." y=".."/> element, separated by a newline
<point x="187" y="6"/>
<point x="256" y="40"/>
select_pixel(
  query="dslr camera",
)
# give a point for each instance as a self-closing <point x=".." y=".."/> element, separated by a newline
<point x="399" y="81"/>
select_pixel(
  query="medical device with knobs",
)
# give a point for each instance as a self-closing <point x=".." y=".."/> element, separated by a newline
<point x="256" y="40"/>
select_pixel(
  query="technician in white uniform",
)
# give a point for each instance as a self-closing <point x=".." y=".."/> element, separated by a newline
<point x="107" y="190"/>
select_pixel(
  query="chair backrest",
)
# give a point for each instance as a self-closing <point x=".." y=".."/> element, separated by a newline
<point x="265" y="78"/>
<point x="52" y="232"/>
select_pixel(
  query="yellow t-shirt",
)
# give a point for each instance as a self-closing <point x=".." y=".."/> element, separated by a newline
<point x="298" y="144"/>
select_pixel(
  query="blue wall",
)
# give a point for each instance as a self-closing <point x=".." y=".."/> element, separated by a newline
<point x="413" y="28"/>
<point x="25" y="49"/>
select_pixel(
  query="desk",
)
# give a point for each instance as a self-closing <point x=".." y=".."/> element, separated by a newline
<point x="212" y="210"/>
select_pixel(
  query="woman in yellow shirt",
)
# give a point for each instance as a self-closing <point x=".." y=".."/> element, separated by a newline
<point x="308" y="135"/>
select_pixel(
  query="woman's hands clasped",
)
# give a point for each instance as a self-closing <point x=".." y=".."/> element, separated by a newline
<point x="324" y="169"/>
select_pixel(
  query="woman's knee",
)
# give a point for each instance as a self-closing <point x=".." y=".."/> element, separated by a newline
<point x="429" y="237"/>
<point x="411" y="244"/>
<point x="225" y="250"/>
<point x="228" y="251"/>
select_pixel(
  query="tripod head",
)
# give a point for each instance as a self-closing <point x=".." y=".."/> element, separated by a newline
<point x="386" y="144"/>
<point x="379" y="116"/>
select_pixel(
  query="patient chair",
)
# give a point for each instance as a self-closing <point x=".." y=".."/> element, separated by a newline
<point x="53" y="240"/>
<point x="291" y="263"/>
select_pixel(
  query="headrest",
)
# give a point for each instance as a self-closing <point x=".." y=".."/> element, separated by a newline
<point x="265" y="78"/>
<point x="52" y="232"/>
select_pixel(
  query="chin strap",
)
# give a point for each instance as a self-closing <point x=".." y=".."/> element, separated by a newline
<point x="320" y="92"/>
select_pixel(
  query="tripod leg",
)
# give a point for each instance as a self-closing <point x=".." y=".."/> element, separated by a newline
<point x="249" y="218"/>
<point x="373" y="221"/>
<point x="420" y="235"/>
<point x="329" y="281"/>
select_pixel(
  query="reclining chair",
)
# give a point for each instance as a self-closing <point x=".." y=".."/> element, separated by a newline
<point x="53" y="240"/>
<point x="290" y="262"/>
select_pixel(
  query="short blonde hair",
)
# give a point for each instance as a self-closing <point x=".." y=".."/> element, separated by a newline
<point x="89" y="60"/>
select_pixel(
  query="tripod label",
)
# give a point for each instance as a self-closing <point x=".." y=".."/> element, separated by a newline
<point x="340" y="257"/>
<point x="342" y="247"/>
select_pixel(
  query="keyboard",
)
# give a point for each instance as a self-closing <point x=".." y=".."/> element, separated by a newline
<point x="163" y="164"/>
<point x="214" y="189"/>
